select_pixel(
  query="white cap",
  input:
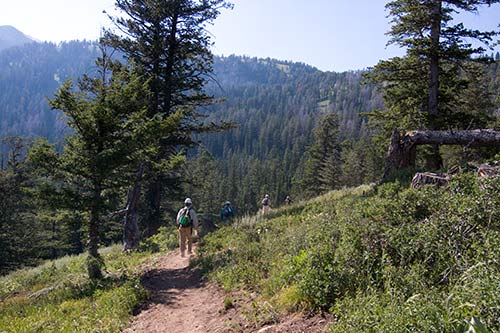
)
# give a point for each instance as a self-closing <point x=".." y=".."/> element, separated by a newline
<point x="228" y="203"/>
<point x="267" y="195"/>
<point x="188" y="201"/>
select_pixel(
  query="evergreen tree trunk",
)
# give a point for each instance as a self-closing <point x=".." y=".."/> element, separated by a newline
<point x="53" y="255"/>
<point x="154" y="201"/>
<point x="130" y="225"/>
<point x="434" y="60"/>
<point x="169" y="68"/>
<point x="433" y="159"/>
<point x="94" y="260"/>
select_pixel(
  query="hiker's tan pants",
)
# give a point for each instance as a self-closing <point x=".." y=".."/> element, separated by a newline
<point x="185" y="236"/>
<point x="266" y="209"/>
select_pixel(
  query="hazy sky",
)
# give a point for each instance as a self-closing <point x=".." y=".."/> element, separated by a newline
<point x="332" y="35"/>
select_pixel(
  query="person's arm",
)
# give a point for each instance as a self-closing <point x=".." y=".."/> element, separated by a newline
<point x="194" y="217"/>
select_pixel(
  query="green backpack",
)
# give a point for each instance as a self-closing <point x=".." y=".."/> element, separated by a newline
<point x="185" y="219"/>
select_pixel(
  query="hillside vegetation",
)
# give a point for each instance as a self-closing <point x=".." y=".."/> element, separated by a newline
<point x="58" y="296"/>
<point x="275" y="105"/>
<point x="380" y="259"/>
<point x="384" y="259"/>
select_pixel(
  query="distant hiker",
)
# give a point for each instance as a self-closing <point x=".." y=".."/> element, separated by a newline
<point x="266" y="205"/>
<point x="186" y="222"/>
<point x="227" y="212"/>
<point x="288" y="200"/>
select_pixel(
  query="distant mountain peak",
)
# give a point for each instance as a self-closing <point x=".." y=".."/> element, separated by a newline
<point x="10" y="36"/>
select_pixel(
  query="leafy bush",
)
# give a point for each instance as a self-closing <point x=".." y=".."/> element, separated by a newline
<point x="166" y="239"/>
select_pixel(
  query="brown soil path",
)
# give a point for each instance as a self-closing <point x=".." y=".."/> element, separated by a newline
<point x="180" y="301"/>
<point x="183" y="302"/>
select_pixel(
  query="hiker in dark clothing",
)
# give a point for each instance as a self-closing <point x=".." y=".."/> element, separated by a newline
<point x="226" y="212"/>
<point x="266" y="205"/>
<point x="288" y="200"/>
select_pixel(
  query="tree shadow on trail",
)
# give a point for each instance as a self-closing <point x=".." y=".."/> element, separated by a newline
<point x="167" y="285"/>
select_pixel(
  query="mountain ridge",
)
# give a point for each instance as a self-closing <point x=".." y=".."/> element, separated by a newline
<point x="10" y="37"/>
<point x="33" y="72"/>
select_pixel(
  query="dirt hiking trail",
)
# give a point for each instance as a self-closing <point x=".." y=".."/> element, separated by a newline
<point x="180" y="301"/>
<point x="183" y="302"/>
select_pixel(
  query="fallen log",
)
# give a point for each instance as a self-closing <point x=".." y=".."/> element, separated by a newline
<point x="477" y="137"/>
<point x="401" y="153"/>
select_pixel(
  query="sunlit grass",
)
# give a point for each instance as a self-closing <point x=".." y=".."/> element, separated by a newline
<point x="58" y="296"/>
<point x="381" y="258"/>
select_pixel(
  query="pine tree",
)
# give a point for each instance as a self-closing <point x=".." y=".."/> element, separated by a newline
<point x="322" y="169"/>
<point x="421" y="88"/>
<point x="203" y="178"/>
<point x="20" y="233"/>
<point x="168" y="41"/>
<point x="352" y="168"/>
<point x="111" y="136"/>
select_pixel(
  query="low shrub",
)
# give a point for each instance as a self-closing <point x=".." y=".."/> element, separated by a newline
<point x="389" y="259"/>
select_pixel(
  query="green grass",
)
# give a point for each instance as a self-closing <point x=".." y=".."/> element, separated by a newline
<point x="380" y="259"/>
<point x="58" y="296"/>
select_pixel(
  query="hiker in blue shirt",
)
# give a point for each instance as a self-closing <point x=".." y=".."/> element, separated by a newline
<point x="187" y="220"/>
<point x="226" y="212"/>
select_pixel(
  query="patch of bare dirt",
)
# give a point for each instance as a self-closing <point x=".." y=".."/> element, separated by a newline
<point x="183" y="302"/>
<point x="249" y="315"/>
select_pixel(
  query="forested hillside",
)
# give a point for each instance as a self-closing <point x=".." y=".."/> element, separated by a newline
<point x="30" y="74"/>
<point x="10" y="37"/>
<point x="274" y="104"/>
<point x="251" y="88"/>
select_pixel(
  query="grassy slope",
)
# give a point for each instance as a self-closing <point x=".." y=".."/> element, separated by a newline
<point x="389" y="259"/>
<point x="58" y="296"/>
<point x="381" y="260"/>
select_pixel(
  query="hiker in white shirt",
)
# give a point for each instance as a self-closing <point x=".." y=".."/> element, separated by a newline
<point x="186" y="222"/>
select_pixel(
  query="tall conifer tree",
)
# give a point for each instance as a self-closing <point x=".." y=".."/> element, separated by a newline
<point x="421" y="88"/>
<point x="168" y="41"/>
<point x="20" y="234"/>
<point x="322" y="171"/>
<point x="111" y="136"/>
